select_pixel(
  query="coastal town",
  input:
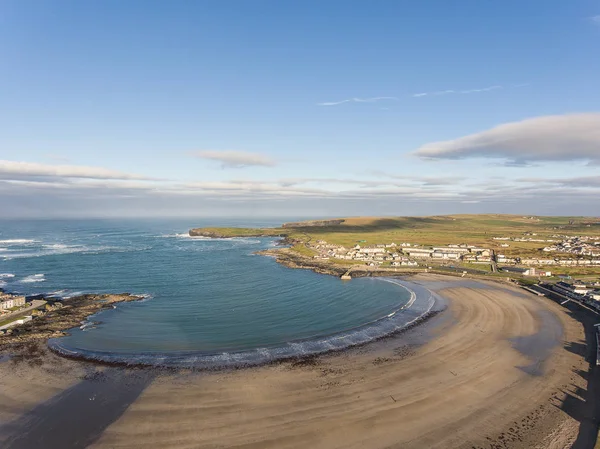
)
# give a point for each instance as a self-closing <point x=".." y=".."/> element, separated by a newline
<point x="565" y="251"/>
<point x="17" y="309"/>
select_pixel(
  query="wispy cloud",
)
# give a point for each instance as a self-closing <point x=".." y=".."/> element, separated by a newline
<point x="438" y="92"/>
<point x="572" y="137"/>
<point x="357" y="100"/>
<point x="328" y="197"/>
<point x="435" y="93"/>
<point x="21" y="170"/>
<point x="485" y="89"/>
<point x="595" y="19"/>
<point x="235" y="159"/>
<point x="453" y="91"/>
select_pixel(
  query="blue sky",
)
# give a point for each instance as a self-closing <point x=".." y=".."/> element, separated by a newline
<point x="228" y="108"/>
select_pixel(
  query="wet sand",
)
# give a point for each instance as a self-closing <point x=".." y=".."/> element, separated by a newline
<point x="500" y="368"/>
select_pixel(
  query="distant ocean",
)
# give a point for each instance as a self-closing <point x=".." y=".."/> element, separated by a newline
<point x="207" y="302"/>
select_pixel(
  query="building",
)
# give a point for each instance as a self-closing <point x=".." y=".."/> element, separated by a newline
<point x="418" y="252"/>
<point x="566" y="289"/>
<point x="10" y="301"/>
<point x="449" y="249"/>
<point x="372" y="250"/>
<point x="581" y="289"/>
<point x="527" y="271"/>
<point x="445" y="254"/>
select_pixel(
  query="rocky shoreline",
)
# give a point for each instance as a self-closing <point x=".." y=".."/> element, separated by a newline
<point x="60" y="317"/>
<point x="292" y="259"/>
<point x="214" y="234"/>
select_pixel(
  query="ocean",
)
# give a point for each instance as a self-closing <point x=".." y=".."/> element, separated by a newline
<point x="207" y="302"/>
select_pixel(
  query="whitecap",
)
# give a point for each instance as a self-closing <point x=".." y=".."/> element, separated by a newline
<point x="16" y="241"/>
<point x="72" y="295"/>
<point x="145" y="296"/>
<point x="33" y="278"/>
<point x="6" y="275"/>
<point x="59" y="249"/>
<point x="59" y="246"/>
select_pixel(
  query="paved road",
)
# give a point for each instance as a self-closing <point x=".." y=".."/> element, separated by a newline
<point x="34" y="305"/>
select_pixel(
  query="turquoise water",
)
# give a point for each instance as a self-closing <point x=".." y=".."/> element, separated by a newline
<point x="204" y="297"/>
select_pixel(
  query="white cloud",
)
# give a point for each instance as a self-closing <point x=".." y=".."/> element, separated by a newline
<point x="452" y="91"/>
<point x="235" y="159"/>
<point x="550" y="138"/>
<point x="582" y="181"/>
<point x="357" y="100"/>
<point x="485" y="89"/>
<point x="15" y="169"/>
<point x="94" y="197"/>
<point x="243" y="188"/>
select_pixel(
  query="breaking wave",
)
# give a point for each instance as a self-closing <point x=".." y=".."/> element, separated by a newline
<point x="61" y="248"/>
<point x="33" y="278"/>
<point x="16" y="241"/>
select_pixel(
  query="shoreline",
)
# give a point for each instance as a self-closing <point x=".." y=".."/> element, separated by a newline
<point x="294" y="350"/>
<point x="479" y="347"/>
<point x="61" y="316"/>
<point x="395" y="387"/>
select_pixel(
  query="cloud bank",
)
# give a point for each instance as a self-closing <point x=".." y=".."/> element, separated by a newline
<point x="574" y="137"/>
<point x="236" y="159"/>
<point x="15" y="169"/>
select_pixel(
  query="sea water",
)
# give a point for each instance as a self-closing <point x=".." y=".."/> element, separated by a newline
<point x="209" y="302"/>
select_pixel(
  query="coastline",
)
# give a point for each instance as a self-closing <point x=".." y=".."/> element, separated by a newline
<point x="426" y="305"/>
<point x="517" y="365"/>
<point x="396" y="388"/>
<point x="60" y="317"/>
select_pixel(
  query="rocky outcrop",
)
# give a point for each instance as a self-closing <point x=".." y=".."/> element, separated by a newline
<point x="313" y="223"/>
<point x="60" y="317"/>
<point x="200" y="232"/>
<point x="223" y="233"/>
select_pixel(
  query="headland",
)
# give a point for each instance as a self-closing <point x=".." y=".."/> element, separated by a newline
<point x="493" y="246"/>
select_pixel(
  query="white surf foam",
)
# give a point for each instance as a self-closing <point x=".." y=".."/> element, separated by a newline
<point x="60" y="249"/>
<point x="6" y="275"/>
<point x="33" y="278"/>
<point x="16" y="241"/>
<point x="145" y="296"/>
<point x="72" y="295"/>
<point x="59" y="246"/>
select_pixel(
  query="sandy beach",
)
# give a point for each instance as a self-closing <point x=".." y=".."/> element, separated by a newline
<point x="499" y="368"/>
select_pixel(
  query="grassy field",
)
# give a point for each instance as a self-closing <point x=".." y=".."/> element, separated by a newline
<point x="244" y="232"/>
<point x="443" y="230"/>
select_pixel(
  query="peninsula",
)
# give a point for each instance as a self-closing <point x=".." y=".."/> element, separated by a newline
<point x="490" y="245"/>
<point x="55" y="317"/>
